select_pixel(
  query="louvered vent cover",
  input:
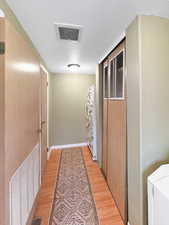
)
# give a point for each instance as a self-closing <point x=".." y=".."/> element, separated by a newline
<point x="68" y="32"/>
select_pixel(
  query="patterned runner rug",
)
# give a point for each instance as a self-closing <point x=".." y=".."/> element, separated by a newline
<point x="73" y="203"/>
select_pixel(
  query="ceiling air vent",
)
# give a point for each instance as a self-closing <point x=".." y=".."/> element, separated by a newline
<point x="68" y="32"/>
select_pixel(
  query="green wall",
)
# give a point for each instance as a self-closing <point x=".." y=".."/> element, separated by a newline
<point x="133" y="121"/>
<point x="148" y="107"/>
<point x="68" y="95"/>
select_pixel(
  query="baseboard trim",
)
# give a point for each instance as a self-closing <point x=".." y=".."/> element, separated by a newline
<point x="48" y="154"/>
<point x="55" y="147"/>
<point x="2" y="14"/>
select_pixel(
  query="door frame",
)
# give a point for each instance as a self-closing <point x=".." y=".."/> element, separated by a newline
<point x="42" y="68"/>
<point x="2" y="123"/>
<point x="121" y="47"/>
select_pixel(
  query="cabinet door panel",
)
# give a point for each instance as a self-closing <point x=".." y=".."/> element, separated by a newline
<point x="105" y="82"/>
<point x="116" y="67"/>
<point x="119" y="76"/>
<point x="116" y="156"/>
<point x="112" y="79"/>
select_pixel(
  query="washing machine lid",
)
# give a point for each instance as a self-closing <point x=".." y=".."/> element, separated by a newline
<point x="161" y="173"/>
<point x="162" y="186"/>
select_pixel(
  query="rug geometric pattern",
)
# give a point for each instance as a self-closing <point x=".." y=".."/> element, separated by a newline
<point x="73" y="203"/>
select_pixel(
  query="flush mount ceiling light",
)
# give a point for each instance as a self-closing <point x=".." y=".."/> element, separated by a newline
<point x="73" y="65"/>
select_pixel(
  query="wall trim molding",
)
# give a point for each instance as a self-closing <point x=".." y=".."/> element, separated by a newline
<point x="55" y="147"/>
<point x="115" y="43"/>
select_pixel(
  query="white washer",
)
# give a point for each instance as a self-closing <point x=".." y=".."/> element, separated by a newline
<point x="158" y="196"/>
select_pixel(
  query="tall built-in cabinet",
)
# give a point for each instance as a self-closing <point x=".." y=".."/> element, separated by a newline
<point x="114" y="127"/>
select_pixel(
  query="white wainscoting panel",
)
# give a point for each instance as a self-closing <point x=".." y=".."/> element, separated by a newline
<point x="24" y="186"/>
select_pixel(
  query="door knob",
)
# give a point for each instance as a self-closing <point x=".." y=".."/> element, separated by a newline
<point x="39" y="131"/>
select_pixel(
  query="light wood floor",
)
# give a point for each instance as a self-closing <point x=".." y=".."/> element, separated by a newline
<point x="106" y="209"/>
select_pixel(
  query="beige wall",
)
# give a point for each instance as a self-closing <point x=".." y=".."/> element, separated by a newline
<point x="14" y="21"/>
<point x="68" y="94"/>
<point x="19" y="103"/>
<point x="148" y="107"/>
<point x="22" y="106"/>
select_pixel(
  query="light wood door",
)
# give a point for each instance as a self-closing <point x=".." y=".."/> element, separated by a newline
<point x="22" y="101"/>
<point x="116" y="157"/>
<point x="116" y="153"/>
<point x="43" y="122"/>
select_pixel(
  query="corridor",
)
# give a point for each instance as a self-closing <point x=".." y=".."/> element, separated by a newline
<point x="84" y="105"/>
<point x="62" y="194"/>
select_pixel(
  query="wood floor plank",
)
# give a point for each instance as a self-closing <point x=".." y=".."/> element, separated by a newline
<point x="107" y="211"/>
<point x="46" y="195"/>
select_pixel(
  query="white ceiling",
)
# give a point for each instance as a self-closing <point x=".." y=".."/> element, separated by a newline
<point x="103" y="21"/>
